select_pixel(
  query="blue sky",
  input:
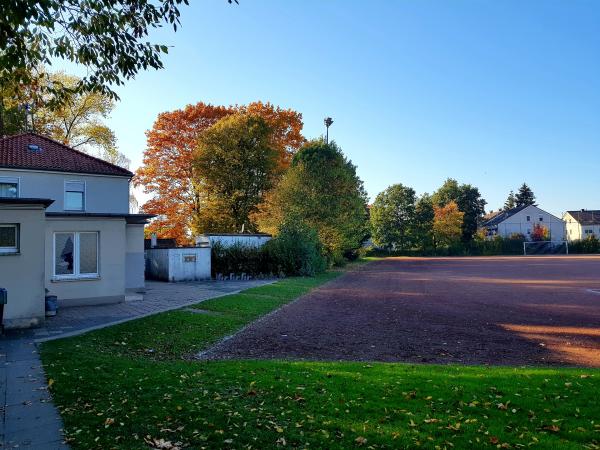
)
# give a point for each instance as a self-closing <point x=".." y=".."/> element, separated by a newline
<point x="492" y="93"/>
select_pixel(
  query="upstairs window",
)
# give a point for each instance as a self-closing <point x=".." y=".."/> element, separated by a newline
<point x="9" y="238"/>
<point x="74" y="196"/>
<point x="528" y="218"/>
<point x="9" y="187"/>
<point x="541" y="219"/>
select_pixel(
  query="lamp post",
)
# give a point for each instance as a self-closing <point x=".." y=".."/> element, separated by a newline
<point x="328" y="121"/>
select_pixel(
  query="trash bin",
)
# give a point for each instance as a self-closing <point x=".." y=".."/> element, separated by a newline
<point x="51" y="305"/>
<point x="3" y="300"/>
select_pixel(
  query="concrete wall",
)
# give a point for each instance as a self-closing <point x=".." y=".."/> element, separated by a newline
<point x="178" y="264"/>
<point x="518" y="223"/>
<point x="109" y="287"/>
<point x="134" y="257"/>
<point x="103" y="194"/>
<point x="228" y="240"/>
<point x="22" y="274"/>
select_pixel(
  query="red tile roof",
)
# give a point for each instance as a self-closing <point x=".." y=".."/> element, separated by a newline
<point x="15" y="152"/>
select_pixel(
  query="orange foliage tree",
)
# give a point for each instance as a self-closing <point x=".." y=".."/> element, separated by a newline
<point x="167" y="172"/>
<point x="447" y="224"/>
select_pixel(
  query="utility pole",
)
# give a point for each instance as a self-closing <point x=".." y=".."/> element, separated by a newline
<point x="328" y="121"/>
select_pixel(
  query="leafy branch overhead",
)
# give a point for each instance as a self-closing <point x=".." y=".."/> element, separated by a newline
<point x="109" y="38"/>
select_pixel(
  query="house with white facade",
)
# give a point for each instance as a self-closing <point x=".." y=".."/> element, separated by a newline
<point x="582" y="224"/>
<point x="521" y="220"/>
<point x="65" y="229"/>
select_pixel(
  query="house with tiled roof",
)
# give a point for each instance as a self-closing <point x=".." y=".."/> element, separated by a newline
<point x="582" y="224"/>
<point x="65" y="229"/>
<point x="521" y="220"/>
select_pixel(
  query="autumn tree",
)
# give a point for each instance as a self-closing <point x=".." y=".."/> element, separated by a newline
<point x="469" y="202"/>
<point x="447" y="224"/>
<point x="540" y="233"/>
<point x="235" y="164"/>
<point x="322" y="190"/>
<point x="525" y="196"/>
<point x="393" y="221"/>
<point x="167" y="171"/>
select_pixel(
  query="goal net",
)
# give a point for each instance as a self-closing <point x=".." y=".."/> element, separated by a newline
<point x="546" y="248"/>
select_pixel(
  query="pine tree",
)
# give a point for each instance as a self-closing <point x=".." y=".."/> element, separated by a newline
<point x="510" y="202"/>
<point x="525" y="196"/>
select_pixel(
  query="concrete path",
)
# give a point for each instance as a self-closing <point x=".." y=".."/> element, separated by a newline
<point x="28" y="419"/>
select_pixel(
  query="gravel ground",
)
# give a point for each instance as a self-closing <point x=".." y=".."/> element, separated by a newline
<point x="485" y="310"/>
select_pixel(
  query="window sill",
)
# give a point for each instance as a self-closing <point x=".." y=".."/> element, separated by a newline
<point x="74" y="278"/>
<point x="10" y="253"/>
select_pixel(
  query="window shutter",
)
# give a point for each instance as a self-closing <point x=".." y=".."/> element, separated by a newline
<point x="74" y="186"/>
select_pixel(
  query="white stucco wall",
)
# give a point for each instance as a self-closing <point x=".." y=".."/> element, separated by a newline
<point x="22" y="274"/>
<point x="179" y="264"/>
<point x="109" y="287"/>
<point x="103" y="194"/>
<point x="575" y="231"/>
<point x="518" y="223"/>
<point x="134" y="257"/>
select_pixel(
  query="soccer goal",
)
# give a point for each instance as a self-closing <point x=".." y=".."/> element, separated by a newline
<point x="546" y="248"/>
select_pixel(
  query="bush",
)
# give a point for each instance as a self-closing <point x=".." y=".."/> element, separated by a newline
<point x="590" y="244"/>
<point x="238" y="259"/>
<point x="295" y="251"/>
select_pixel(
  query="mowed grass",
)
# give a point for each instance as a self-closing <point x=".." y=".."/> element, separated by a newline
<point x="131" y="387"/>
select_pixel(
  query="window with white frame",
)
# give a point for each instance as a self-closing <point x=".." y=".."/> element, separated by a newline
<point x="9" y="187"/>
<point x="76" y="254"/>
<point x="74" y="196"/>
<point x="9" y="238"/>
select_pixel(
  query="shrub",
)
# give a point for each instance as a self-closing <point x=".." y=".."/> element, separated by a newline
<point x="590" y="244"/>
<point x="238" y="259"/>
<point x="295" y="251"/>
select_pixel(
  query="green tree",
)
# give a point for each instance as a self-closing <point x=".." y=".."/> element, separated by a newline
<point x="322" y="190"/>
<point x="234" y="166"/>
<point x="393" y="218"/>
<point x="510" y="202"/>
<point x="110" y="38"/>
<point x="424" y="217"/>
<point x="469" y="202"/>
<point x="525" y="196"/>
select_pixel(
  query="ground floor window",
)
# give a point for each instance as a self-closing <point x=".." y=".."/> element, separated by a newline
<point x="76" y="254"/>
<point x="9" y="238"/>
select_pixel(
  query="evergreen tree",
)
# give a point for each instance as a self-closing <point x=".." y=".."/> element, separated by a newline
<point x="525" y="196"/>
<point x="510" y="202"/>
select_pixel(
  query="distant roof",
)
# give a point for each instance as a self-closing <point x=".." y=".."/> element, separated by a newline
<point x="36" y="152"/>
<point x="502" y="216"/>
<point x="587" y="216"/>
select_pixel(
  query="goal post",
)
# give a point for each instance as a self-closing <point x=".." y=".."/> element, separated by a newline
<point x="545" y="248"/>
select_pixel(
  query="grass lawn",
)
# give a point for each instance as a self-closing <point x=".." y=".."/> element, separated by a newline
<point x="129" y="386"/>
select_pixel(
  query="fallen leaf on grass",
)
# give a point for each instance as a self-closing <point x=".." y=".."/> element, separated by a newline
<point x="360" y="440"/>
<point x="553" y="428"/>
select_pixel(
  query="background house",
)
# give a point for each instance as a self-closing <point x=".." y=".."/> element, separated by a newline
<point x="582" y="224"/>
<point x="65" y="227"/>
<point x="521" y="220"/>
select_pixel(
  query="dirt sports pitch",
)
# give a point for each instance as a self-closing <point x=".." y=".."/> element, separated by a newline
<point x="486" y="310"/>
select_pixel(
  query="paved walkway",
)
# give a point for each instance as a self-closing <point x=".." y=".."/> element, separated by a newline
<point x="28" y="419"/>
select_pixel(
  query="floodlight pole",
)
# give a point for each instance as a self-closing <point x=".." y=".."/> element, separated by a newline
<point x="328" y="122"/>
